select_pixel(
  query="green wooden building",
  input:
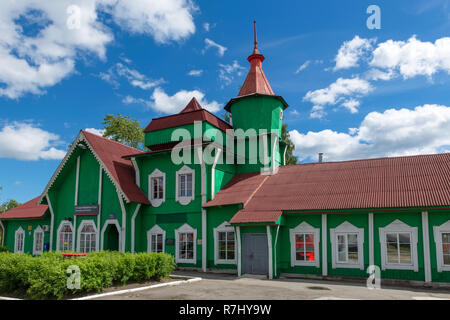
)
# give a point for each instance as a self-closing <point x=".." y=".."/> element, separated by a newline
<point x="219" y="197"/>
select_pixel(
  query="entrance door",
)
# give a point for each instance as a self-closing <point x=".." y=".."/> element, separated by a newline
<point x="255" y="253"/>
<point x="112" y="238"/>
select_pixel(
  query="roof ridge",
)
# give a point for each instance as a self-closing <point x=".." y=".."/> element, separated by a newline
<point x="110" y="140"/>
<point x="255" y="191"/>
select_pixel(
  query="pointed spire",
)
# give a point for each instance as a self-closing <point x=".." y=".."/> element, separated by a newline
<point x="256" y="81"/>
<point x="193" y="105"/>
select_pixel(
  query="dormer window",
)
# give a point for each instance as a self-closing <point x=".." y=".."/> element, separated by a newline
<point x="185" y="185"/>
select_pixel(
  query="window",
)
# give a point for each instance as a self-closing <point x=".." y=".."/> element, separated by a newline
<point x="38" y="241"/>
<point x="347" y="246"/>
<point x="19" y="240"/>
<point x="156" y="187"/>
<point x="442" y="239"/>
<point x="65" y="237"/>
<point x="305" y="245"/>
<point x="156" y="238"/>
<point x="224" y="244"/>
<point x="87" y="237"/>
<point x="185" y="241"/>
<point x="398" y="246"/>
<point x="185" y="185"/>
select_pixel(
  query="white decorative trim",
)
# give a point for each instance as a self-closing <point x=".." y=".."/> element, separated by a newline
<point x="107" y="223"/>
<point x="80" y="227"/>
<point x="3" y="232"/>
<point x="156" y="174"/>
<point x="52" y="222"/>
<point x="324" y="245"/>
<point x="184" y="200"/>
<point x="395" y="227"/>
<point x="346" y="228"/>
<point x="305" y="228"/>
<point x="99" y="200"/>
<point x="224" y="227"/>
<point x="59" y="231"/>
<point x="203" y="194"/>
<point x="239" y="259"/>
<point x="213" y="172"/>
<point x="155" y="231"/>
<point x="437" y="232"/>
<point x="136" y="171"/>
<point x="124" y="223"/>
<point x="426" y="247"/>
<point x="18" y="232"/>
<point x="133" y="227"/>
<point x="371" y="241"/>
<point x="270" y="255"/>
<point x="185" y="228"/>
<point x="38" y="230"/>
<point x="77" y="179"/>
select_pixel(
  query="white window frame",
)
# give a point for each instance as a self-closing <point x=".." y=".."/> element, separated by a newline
<point x="58" y="233"/>
<point x="19" y="232"/>
<point x="346" y="228"/>
<point x="156" y="174"/>
<point x="305" y="228"/>
<point x="185" y="199"/>
<point x="80" y="228"/>
<point x="156" y="230"/>
<point x="398" y="226"/>
<point x="183" y="229"/>
<point x="37" y="231"/>
<point x="224" y="227"/>
<point x="437" y="232"/>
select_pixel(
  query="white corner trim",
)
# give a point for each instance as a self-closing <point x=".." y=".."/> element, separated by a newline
<point x="81" y="226"/>
<point x="184" y="200"/>
<point x="19" y="232"/>
<point x="224" y="227"/>
<point x="426" y="247"/>
<point x="61" y="225"/>
<point x="3" y="233"/>
<point x="136" y="171"/>
<point x="107" y="223"/>
<point x="371" y="241"/>
<point x="270" y="255"/>
<point x="185" y="228"/>
<point x="213" y="172"/>
<point x="203" y="189"/>
<point x="36" y="231"/>
<point x="133" y="227"/>
<point x="124" y="222"/>
<point x="77" y="180"/>
<point x="239" y="258"/>
<point x="52" y="222"/>
<point x="305" y="228"/>
<point x="437" y="233"/>
<point x="99" y="201"/>
<point x="324" y="245"/>
<point x="155" y="231"/>
<point x="156" y="174"/>
<point x="393" y="227"/>
<point x="344" y="229"/>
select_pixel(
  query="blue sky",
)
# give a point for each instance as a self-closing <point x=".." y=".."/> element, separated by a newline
<point x="353" y="92"/>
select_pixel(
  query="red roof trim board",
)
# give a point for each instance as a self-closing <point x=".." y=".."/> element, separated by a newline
<point x="29" y="209"/>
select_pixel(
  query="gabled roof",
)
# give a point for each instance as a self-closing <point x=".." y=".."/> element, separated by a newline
<point x="397" y="182"/>
<point x="192" y="112"/>
<point x="109" y="154"/>
<point x="29" y="209"/>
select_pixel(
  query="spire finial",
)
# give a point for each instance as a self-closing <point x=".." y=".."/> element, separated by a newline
<point x="254" y="30"/>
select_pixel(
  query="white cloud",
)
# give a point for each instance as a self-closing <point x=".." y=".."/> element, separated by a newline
<point x="37" y="57"/>
<point x="23" y="141"/>
<point x="394" y="132"/>
<point x="342" y="90"/>
<point x="303" y="66"/>
<point x="206" y="26"/>
<point x="134" y="77"/>
<point x="195" y="73"/>
<point x="211" y="44"/>
<point x="227" y="72"/>
<point x="413" y="57"/>
<point x="98" y="132"/>
<point x="376" y="74"/>
<point x="162" y="102"/>
<point x="351" y="52"/>
<point x="352" y="105"/>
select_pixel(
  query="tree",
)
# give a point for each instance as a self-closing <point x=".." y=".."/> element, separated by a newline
<point x="290" y="158"/>
<point x="123" y="129"/>
<point x="7" y="205"/>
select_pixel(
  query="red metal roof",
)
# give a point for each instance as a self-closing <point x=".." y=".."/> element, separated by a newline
<point x="397" y="182"/>
<point x="122" y="171"/>
<point x="243" y="216"/>
<point x="29" y="209"/>
<point x="192" y="112"/>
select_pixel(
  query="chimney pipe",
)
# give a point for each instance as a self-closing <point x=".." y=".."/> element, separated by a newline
<point x="320" y="157"/>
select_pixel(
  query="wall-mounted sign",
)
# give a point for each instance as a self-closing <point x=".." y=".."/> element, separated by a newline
<point x="112" y="216"/>
<point x="89" y="209"/>
<point x="170" y="241"/>
<point x="30" y="228"/>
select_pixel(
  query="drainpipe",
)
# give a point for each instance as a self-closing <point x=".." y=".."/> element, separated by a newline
<point x="275" y="250"/>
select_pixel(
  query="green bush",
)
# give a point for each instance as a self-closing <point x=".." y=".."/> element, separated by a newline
<point x="4" y="249"/>
<point x="45" y="276"/>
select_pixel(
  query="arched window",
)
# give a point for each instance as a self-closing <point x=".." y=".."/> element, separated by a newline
<point x="38" y="241"/>
<point x="19" y="240"/>
<point x="87" y="237"/>
<point x="65" y="236"/>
